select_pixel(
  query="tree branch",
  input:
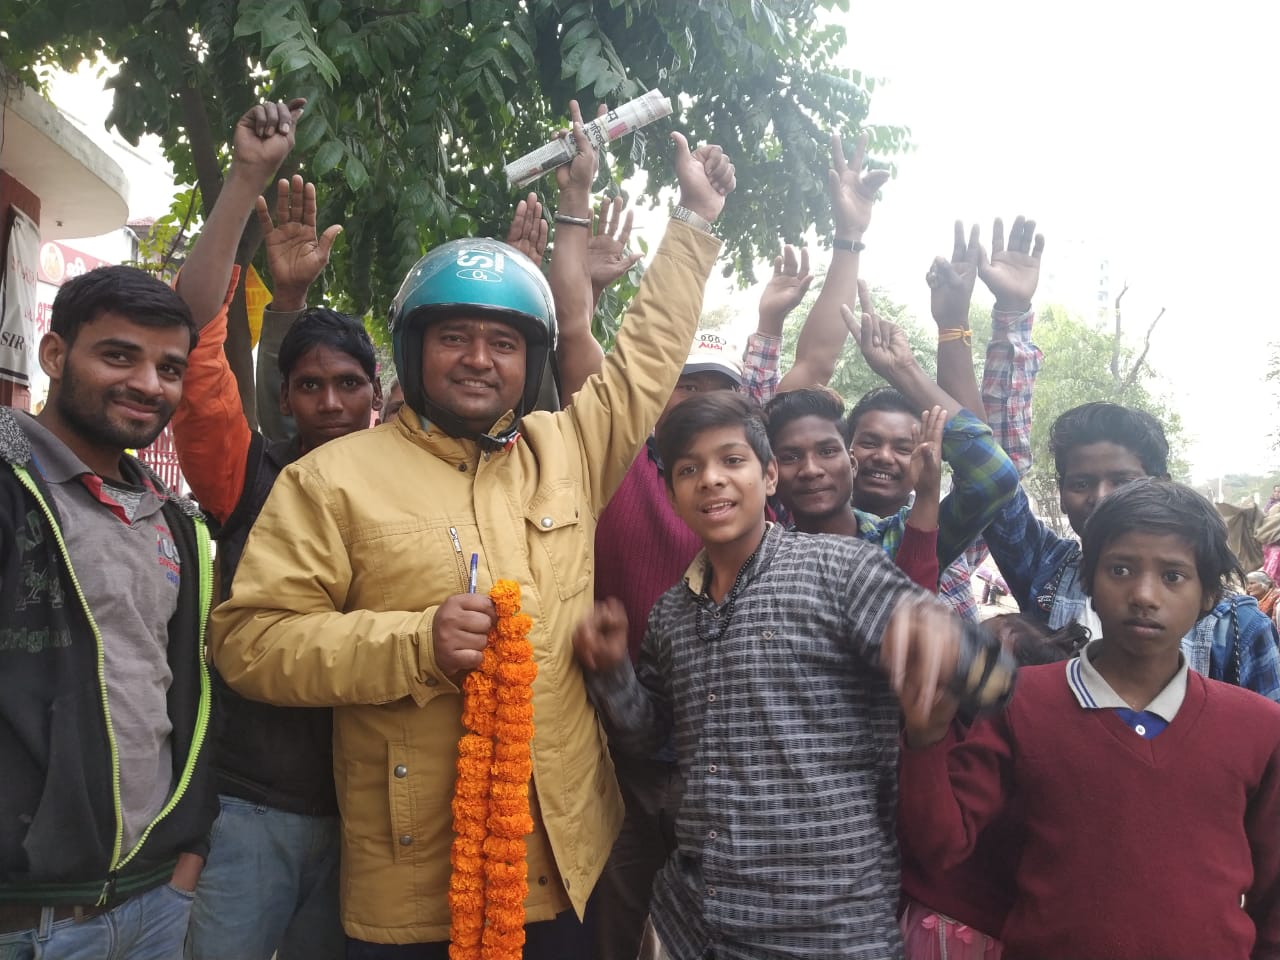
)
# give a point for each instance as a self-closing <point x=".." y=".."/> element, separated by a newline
<point x="1115" y="344"/>
<point x="204" y="149"/>
<point x="1137" y="364"/>
<point x="178" y="237"/>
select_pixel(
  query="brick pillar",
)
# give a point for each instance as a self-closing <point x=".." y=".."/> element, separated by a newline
<point x="13" y="193"/>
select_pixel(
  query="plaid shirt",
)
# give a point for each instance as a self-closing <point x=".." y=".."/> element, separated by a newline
<point x="1007" y="381"/>
<point x="955" y="587"/>
<point x="787" y="737"/>
<point x="983" y="479"/>
<point x="760" y="367"/>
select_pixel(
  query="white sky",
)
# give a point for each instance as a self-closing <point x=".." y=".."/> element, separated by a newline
<point x="1141" y="132"/>
<point x="1135" y="132"/>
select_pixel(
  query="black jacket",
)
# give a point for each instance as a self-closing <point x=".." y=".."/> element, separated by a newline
<point x="281" y="757"/>
<point x="59" y="818"/>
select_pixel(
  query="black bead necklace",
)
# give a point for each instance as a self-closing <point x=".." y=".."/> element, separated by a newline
<point x="725" y="615"/>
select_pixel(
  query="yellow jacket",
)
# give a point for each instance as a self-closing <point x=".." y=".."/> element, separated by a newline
<point x="363" y="538"/>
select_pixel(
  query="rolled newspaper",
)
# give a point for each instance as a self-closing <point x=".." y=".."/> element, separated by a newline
<point x="616" y="123"/>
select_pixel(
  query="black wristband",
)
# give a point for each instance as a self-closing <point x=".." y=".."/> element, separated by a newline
<point x="985" y="671"/>
<point x="854" y="246"/>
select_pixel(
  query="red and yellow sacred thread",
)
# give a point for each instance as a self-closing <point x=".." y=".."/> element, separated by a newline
<point x="491" y="798"/>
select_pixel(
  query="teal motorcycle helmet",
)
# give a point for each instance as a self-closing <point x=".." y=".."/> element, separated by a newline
<point x="476" y="278"/>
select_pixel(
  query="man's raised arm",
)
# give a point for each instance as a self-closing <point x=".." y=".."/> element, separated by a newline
<point x="853" y="193"/>
<point x="262" y="139"/>
<point x="210" y="431"/>
<point x="615" y="411"/>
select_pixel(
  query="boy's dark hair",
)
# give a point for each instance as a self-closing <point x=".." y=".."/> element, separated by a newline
<point x="127" y="291"/>
<point x="1034" y="643"/>
<point x="707" y="411"/>
<point x="1102" y="422"/>
<point x="884" y="399"/>
<point x="810" y="402"/>
<point x="1161" y="507"/>
<point x="322" y="327"/>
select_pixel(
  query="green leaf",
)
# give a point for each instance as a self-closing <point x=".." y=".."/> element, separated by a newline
<point x="574" y="59"/>
<point x="591" y="71"/>
<point x="579" y="31"/>
<point x="521" y="47"/>
<point x="327" y="157"/>
<point x="356" y="174"/>
<point x="328" y="12"/>
<point x="311" y="130"/>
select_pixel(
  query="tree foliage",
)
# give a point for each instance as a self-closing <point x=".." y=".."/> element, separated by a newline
<point x="414" y="105"/>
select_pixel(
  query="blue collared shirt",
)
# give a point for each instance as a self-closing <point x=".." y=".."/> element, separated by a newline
<point x="1092" y="692"/>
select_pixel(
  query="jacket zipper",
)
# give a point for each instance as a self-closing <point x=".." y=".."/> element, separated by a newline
<point x="202" y="712"/>
<point x="463" y="577"/>
<point x="26" y="481"/>
<point x="202" y="718"/>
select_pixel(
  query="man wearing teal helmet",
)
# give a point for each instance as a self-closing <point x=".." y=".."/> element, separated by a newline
<point x="460" y="296"/>
<point x="353" y="589"/>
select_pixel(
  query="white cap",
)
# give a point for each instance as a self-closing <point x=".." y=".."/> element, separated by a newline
<point x="712" y="353"/>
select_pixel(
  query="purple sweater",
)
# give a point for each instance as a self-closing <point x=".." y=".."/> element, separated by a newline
<point x="642" y="547"/>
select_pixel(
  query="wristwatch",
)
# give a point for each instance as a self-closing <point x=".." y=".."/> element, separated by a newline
<point x="695" y="220"/>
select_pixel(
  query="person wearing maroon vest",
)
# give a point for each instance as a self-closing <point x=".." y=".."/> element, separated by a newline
<point x="1147" y="796"/>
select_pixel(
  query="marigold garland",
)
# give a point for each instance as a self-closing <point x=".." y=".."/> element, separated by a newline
<point x="491" y="798"/>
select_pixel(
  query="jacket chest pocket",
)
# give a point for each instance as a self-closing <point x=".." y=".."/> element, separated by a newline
<point x="558" y="539"/>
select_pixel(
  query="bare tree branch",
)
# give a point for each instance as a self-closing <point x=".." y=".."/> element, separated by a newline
<point x="1146" y="348"/>
<point x="1116" y="342"/>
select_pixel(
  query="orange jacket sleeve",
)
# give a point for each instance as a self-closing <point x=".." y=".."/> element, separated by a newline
<point x="210" y="431"/>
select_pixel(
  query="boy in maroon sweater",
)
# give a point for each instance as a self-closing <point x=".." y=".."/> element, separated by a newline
<point x="1148" y="796"/>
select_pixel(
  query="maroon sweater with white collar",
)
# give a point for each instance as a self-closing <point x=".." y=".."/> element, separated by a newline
<point x="1133" y="848"/>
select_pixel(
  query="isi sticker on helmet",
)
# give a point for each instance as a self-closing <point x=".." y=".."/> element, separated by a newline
<point x="480" y="265"/>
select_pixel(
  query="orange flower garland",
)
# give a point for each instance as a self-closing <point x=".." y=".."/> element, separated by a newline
<point x="491" y="798"/>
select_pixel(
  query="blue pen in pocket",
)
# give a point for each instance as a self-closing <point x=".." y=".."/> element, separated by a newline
<point x="475" y="567"/>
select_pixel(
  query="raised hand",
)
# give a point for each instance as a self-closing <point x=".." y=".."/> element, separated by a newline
<point x="600" y="638"/>
<point x="575" y="177"/>
<point x="264" y="136"/>
<point x="951" y="284"/>
<point x="528" y="231"/>
<point x="1014" y="271"/>
<point x="460" y="632"/>
<point x="706" y="177"/>
<point x="919" y="652"/>
<point x="786" y="288"/>
<point x="853" y="190"/>
<point x="925" y="470"/>
<point x="884" y="346"/>
<point x="608" y="258"/>
<point x="295" y="255"/>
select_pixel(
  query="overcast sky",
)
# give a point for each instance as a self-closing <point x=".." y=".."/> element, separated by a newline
<point x="1135" y="133"/>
